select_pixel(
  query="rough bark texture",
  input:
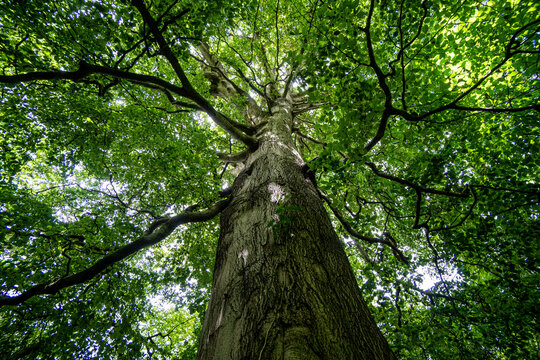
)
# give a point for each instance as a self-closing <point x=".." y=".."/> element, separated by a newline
<point x="283" y="287"/>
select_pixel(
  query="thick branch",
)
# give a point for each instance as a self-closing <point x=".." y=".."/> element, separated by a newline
<point x="373" y="62"/>
<point x="164" y="47"/>
<point x="237" y="157"/>
<point x="86" y="70"/>
<point x="413" y="185"/>
<point x="158" y="231"/>
<point x="380" y="131"/>
<point x="381" y="77"/>
<point x="236" y="130"/>
<point x="226" y="87"/>
<point x="220" y="119"/>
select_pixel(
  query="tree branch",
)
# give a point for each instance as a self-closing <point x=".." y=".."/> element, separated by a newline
<point x="247" y="64"/>
<point x="497" y="110"/>
<point x="381" y="77"/>
<point x="220" y="119"/>
<point x="225" y="87"/>
<point x="86" y="69"/>
<point x="535" y="189"/>
<point x="397" y="253"/>
<point x="413" y="185"/>
<point x="157" y="231"/>
<point x="467" y="215"/>
<point x="236" y="130"/>
<point x="511" y="49"/>
<point x="164" y="47"/>
<point x="432" y="294"/>
<point x="237" y="157"/>
<point x="380" y="131"/>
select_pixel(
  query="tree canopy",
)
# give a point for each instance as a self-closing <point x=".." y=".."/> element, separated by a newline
<point x="123" y="124"/>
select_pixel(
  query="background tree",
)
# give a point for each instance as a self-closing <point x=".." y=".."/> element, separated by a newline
<point x="131" y="126"/>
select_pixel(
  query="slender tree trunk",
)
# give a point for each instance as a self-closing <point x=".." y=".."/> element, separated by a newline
<point x="283" y="287"/>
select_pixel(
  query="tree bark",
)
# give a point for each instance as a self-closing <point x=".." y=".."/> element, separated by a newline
<point x="283" y="287"/>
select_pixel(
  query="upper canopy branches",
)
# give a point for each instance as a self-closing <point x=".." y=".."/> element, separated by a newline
<point x="186" y="90"/>
<point x="511" y="48"/>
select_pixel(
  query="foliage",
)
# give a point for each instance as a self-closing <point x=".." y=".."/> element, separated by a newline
<point x="419" y="122"/>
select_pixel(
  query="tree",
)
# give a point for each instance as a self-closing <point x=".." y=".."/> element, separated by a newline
<point x="352" y="151"/>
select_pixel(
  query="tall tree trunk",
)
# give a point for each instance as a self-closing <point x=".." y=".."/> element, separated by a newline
<point x="283" y="287"/>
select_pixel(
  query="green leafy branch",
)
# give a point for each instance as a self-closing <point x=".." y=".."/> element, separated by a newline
<point x="157" y="231"/>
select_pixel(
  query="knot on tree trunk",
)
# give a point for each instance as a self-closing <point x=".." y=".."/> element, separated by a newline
<point x="218" y="85"/>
